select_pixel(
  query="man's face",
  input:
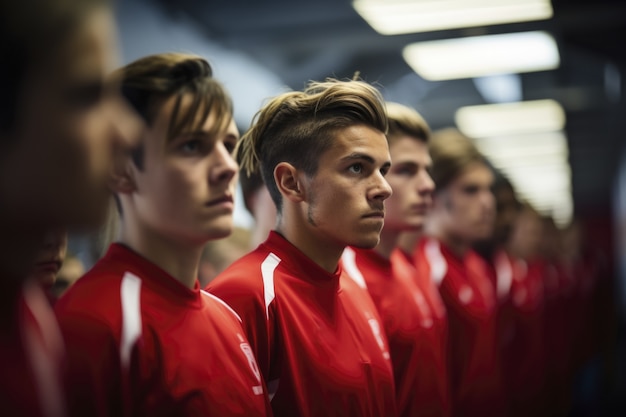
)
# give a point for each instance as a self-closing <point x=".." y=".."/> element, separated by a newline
<point x="49" y="258"/>
<point x="411" y="183"/>
<point x="468" y="204"/>
<point x="345" y="198"/>
<point x="58" y="157"/>
<point x="186" y="188"/>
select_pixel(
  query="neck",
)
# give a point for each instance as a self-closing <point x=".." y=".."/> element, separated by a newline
<point x="407" y="241"/>
<point x="388" y="242"/>
<point x="19" y="245"/>
<point x="325" y="253"/>
<point x="459" y="247"/>
<point x="178" y="260"/>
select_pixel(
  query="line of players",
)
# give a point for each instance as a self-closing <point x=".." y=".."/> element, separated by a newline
<point x="328" y="316"/>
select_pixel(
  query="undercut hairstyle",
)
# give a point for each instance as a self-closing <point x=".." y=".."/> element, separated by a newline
<point x="298" y="127"/>
<point x="406" y="121"/>
<point x="31" y="32"/>
<point x="149" y="82"/>
<point x="452" y="153"/>
<point x="250" y="183"/>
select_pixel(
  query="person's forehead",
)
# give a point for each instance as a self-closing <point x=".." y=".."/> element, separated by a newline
<point x="359" y="138"/>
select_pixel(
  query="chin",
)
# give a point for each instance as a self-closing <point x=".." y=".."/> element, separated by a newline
<point x="366" y="243"/>
<point x="219" y="231"/>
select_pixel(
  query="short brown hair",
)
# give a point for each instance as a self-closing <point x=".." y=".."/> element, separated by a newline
<point x="150" y="81"/>
<point x="452" y="152"/>
<point x="297" y="127"/>
<point x="406" y="121"/>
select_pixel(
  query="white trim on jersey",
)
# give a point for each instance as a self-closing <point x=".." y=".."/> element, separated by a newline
<point x="504" y="273"/>
<point x="130" y="294"/>
<point x="268" y="266"/>
<point x="438" y="264"/>
<point x="348" y="260"/>
<point x="223" y="303"/>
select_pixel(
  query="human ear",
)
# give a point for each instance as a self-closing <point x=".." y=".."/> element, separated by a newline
<point x="287" y="180"/>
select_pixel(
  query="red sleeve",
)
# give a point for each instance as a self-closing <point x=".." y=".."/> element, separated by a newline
<point x="93" y="370"/>
<point x="243" y="291"/>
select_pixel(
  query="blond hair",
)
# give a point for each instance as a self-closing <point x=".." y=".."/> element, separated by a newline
<point x="406" y="121"/>
<point x="297" y="127"/>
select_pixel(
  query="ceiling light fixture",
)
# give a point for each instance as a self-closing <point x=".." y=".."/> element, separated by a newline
<point x="393" y="17"/>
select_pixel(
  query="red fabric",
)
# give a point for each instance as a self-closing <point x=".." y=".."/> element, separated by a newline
<point x="31" y="351"/>
<point x="524" y="352"/>
<point x="468" y="294"/>
<point x="187" y="357"/>
<point x="559" y="296"/>
<point x="416" y="326"/>
<point x="317" y="335"/>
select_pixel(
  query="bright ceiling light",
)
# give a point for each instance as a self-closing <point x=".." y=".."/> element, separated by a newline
<point x="537" y="165"/>
<point x="510" y="118"/>
<point x="479" y="56"/>
<point x="393" y="17"/>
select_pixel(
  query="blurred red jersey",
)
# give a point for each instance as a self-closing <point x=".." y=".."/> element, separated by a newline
<point x="31" y="351"/>
<point x="469" y="296"/>
<point x="414" y="319"/>
<point x="140" y="343"/>
<point x="316" y="335"/>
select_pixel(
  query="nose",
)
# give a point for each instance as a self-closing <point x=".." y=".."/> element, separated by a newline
<point x="381" y="189"/>
<point x="224" y="167"/>
<point x="426" y="184"/>
<point x="54" y="239"/>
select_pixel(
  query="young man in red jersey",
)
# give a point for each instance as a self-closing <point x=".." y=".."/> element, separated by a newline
<point x="317" y="336"/>
<point x="143" y="338"/>
<point x="463" y="211"/>
<point x="409" y="304"/>
<point x="60" y="123"/>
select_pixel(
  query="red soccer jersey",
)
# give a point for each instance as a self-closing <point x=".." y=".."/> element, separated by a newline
<point x="140" y="343"/>
<point x="316" y="334"/>
<point x="469" y="296"/>
<point x="524" y="355"/>
<point x="416" y="327"/>
<point x="31" y="350"/>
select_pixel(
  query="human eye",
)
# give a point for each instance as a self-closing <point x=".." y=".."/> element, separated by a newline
<point x="230" y="146"/>
<point x="84" y="95"/>
<point x="192" y="146"/>
<point x="356" y="168"/>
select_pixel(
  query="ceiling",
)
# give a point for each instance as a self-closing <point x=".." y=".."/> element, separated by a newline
<point x="302" y="40"/>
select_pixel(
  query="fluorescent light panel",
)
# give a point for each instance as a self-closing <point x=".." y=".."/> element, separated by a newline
<point x="537" y="166"/>
<point x="394" y="17"/>
<point x="510" y="118"/>
<point x="479" y="56"/>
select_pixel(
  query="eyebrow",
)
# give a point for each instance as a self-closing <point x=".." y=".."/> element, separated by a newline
<point x="207" y="135"/>
<point x="362" y="156"/>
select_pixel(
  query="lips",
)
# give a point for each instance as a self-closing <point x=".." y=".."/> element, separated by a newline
<point x="49" y="266"/>
<point x="375" y="215"/>
<point x="220" y="200"/>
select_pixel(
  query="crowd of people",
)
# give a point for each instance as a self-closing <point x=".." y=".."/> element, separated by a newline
<point x="391" y="270"/>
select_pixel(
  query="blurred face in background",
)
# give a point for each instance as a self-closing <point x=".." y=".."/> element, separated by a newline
<point x="526" y="235"/>
<point x="467" y="206"/>
<point x="507" y="209"/>
<point x="55" y="163"/>
<point x="50" y="258"/>
<point x="409" y="178"/>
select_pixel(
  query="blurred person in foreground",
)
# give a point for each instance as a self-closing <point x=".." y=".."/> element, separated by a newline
<point x="143" y="338"/>
<point x="413" y="314"/>
<point x="317" y="335"/>
<point x="61" y="122"/>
